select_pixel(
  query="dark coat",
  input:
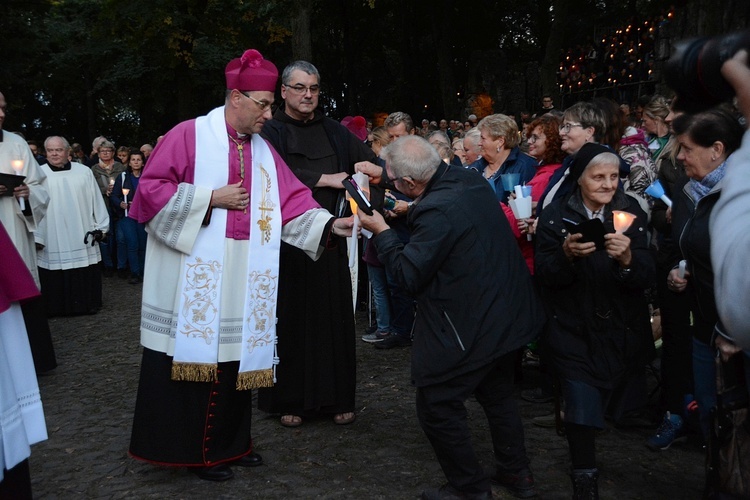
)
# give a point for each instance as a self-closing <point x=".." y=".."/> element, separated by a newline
<point x="347" y="149"/>
<point x="474" y="295"/>
<point x="517" y="162"/>
<point x="690" y="222"/>
<point x="598" y="316"/>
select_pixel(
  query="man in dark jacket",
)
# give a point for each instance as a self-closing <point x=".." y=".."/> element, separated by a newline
<point x="475" y="307"/>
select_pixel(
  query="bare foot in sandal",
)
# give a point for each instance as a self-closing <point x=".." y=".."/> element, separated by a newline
<point x="291" y="421"/>
<point x="344" y="418"/>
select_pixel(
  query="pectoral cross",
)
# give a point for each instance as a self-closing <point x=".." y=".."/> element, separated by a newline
<point x="240" y="150"/>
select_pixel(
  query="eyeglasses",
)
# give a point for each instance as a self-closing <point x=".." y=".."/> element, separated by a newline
<point x="263" y="105"/>
<point x="302" y="90"/>
<point x="565" y="127"/>
<point x="393" y="181"/>
<point x="533" y="138"/>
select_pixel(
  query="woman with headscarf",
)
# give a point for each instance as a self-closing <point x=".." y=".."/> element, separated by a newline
<point x="592" y="288"/>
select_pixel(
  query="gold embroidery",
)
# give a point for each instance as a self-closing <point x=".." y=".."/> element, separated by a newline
<point x="266" y="205"/>
<point x="200" y="292"/>
<point x="261" y="293"/>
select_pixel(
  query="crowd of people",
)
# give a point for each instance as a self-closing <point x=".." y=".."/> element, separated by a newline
<point x="247" y="279"/>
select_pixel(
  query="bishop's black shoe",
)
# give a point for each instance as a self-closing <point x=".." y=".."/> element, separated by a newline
<point x="251" y="460"/>
<point x="220" y="472"/>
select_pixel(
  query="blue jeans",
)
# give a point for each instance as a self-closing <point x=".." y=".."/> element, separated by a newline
<point x="131" y="245"/>
<point x="704" y="380"/>
<point x="381" y="296"/>
<point x="107" y="247"/>
<point x="402" y="309"/>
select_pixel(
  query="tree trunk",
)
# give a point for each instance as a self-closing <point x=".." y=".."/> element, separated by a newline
<point x="441" y="27"/>
<point x="301" y="33"/>
<point x="552" y="51"/>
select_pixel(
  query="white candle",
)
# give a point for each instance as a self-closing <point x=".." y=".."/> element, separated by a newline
<point x="18" y="168"/>
<point x="622" y="220"/>
<point x="125" y="192"/>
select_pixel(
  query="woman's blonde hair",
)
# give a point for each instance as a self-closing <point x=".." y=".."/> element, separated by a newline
<point x="500" y="125"/>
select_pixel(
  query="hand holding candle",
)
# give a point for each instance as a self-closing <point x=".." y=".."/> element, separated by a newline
<point x="521" y="205"/>
<point x="17" y="165"/>
<point x="125" y="192"/>
<point x="364" y="183"/>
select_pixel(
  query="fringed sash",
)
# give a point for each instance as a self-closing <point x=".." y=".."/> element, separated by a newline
<point x="199" y="314"/>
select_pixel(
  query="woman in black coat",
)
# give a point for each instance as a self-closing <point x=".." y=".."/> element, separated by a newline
<point x="599" y="320"/>
<point x="706" y="141"/>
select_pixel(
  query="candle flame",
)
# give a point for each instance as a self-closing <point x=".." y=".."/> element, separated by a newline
<point x="622" y="220"/>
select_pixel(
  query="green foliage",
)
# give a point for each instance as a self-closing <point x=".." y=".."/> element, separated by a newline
<point x="131" y="70"/>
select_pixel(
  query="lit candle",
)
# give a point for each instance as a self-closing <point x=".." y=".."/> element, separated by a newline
<point x="17" y="165"/>
<point x="622" y="220"/>
<point x="125" y="192"/>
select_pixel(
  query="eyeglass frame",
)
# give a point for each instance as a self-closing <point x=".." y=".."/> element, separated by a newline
<point x="565" y="127"/>
<point x="533" y="138"/>
<point x="300" y="89"/>
<point x="263" y="105"/>
<point x="393" y="181"/>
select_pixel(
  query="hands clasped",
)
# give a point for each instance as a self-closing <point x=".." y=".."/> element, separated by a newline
<point x="616" y="245"/>
<point x="231" y="197"/>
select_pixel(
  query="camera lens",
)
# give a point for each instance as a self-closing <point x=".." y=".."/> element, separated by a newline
<point x="694" y="70"/>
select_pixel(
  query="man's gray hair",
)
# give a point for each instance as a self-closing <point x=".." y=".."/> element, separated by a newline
<point x="66" y="144"/>
<point x="399" y="117"/>
<point x="438" y="135"/>
<point x="305" y="66"/>
<point x="411" y="156"/>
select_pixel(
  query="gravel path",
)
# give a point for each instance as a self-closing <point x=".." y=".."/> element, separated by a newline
<point x="89" y="399"/>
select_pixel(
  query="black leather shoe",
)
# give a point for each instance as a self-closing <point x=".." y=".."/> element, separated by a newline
<point x="220" y="472"/>
<point x="251" y="460"/>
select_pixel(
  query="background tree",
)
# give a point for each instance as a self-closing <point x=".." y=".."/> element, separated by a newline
<point x="131" y="70"/>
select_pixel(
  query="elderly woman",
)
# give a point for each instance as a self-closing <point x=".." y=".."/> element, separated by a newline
<point x="498" y="142"/>
<point x="105" y="172"/>
<point x="593" y="291"/>
<point x="458" y="149"/>
<point x="706" y="140"/>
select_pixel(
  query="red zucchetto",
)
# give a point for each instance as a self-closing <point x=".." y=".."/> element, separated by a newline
<point x="251" y="72"/>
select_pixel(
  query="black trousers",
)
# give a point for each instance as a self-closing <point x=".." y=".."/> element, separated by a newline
<point x="442" y="415"/>
<point x="16" y="483"/>
<point x="677" y="345"/>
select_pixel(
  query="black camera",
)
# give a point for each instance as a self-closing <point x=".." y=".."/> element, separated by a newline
<point x="694" y="70"/>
